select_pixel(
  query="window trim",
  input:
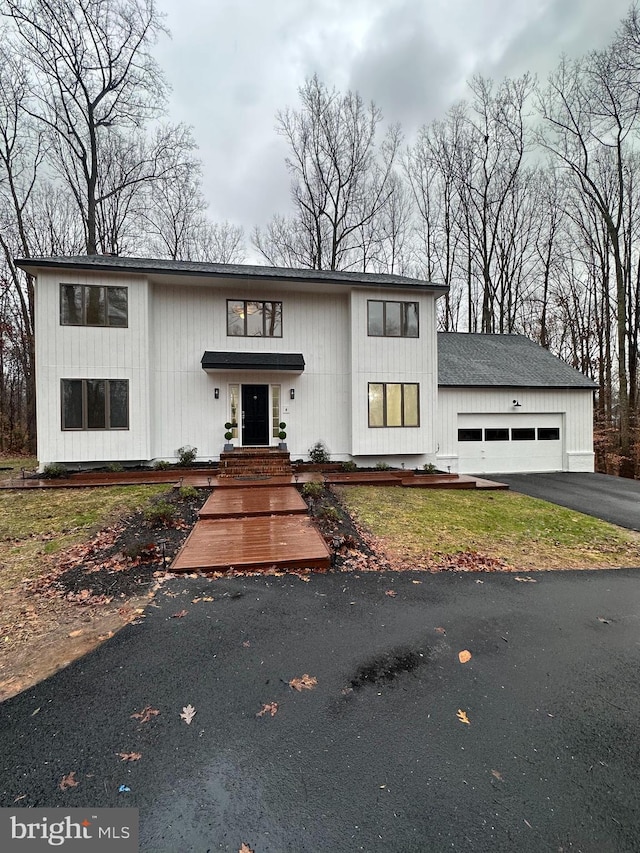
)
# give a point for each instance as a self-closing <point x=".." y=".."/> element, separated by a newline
<point x="85" y="410"/>
<point x="403" y="319"/>
<point x="261" y="302"/>
<point x="477" y="431"/>
<point x="385" y="425"/>
<point x="548" y="437"/>
<point x="106" y="288"/>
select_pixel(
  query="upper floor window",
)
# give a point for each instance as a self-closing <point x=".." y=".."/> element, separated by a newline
<point x="95" y="404"/>
<point x="250" y="319"/>
<point x="392" y="319"/>
<point x="93" y="305"/>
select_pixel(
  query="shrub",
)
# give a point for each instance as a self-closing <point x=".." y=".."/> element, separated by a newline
<point x="319" y="453"/>
<point x="382" y="466"/>
<point x="115" y="467"/>
<point x="187" y="455"/>
<point x="430" y="468"/>
<point x="188" y="492"/>
<point x="161" y="511"/>
<point x="312" y="490"/>
<point x="349" y="466"/>
<point x="54" y="470"/>
<point x="329" y="513"/>
<point x="161" y="465"/>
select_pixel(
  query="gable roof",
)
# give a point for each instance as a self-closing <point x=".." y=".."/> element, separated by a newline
<point x="486" y="361"/>
<point x="151" y="266"/>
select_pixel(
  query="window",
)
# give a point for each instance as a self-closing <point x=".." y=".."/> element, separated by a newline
<point x="548" y="433"/>
<point x="496" y="434"/>
<point x="523" y="434"/>
<point x="275" y="411"/>
<point x="392" y="319"/>
<point x="248" y="319"/>
<point x="92" y="305"/>
<point x="95" y="404"/>
<point x="469" y="435"/>
<point x="394" y="404"/>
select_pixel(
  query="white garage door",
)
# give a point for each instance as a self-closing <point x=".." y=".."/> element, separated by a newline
<point x="510" y="443"/>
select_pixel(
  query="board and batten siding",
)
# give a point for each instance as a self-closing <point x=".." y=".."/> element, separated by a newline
<point x="393" y="359"/>
<point x="574" y="407"/>
<point x="90" y="352"/>
<point x="187" y="320"/>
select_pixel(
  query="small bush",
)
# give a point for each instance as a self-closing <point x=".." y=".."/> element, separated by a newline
<point x="430" y="468"/>
<point x="161" y="465"/>
<point x="188" y="492"/>
<point x="54" y="470"/>
<point x="187" y="455"/>
<point x="382" y="466"/>
<point x="319" y="453"/>
<point x="161" y="511"/>
<point x="329" y="513"/>
<point x="115" y="467"/>
<point x="349" y="466"/>
<point x="312" y="490"/>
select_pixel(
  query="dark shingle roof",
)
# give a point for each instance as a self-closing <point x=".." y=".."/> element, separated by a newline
<point x="507" y="360"/>
<point x="151" y="266"/>
<point x="292" y="361"/>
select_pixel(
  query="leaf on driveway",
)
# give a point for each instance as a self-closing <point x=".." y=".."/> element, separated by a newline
<point x="525" y="580"/>
<point x="179" y="614"/>
<point x="605" y="621"/>
<point x="440" y="631"/>
<point x="246" y="849"/>
<point x="130" y="756"/>
<point x="69" y="781"/>
<point x="145" y="715"/>
<point x="246" y="644"/>
<point x="497" y="775"/>
<point x="391" y="593"/>
<point x="464" y="656"/>
<point x="307" y="682"/>
<point x="461" y="715"/>
<point x="268" y="708"/>
<point x="188" y="713"/>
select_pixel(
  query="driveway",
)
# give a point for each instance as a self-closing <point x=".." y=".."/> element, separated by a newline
<point x="377" y="756"/>
<point x="612" y="499"/>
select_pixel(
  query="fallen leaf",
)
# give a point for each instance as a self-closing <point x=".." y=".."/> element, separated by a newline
<point x="605" y="621"/>
<point x="130" y="756"/>
<point x="307" y="682"/>
<point x="440" y="631"/>
<point x="461" y="715"/>
<point x="145" y="715"/>
<point x="497" y="775"/>
<point x="76" y="633"/>
<point x="21" y="797"/>
<point x="246" y="849"/>
<point x="188" y="713"/>
<point x="416" y="581"/>
<point x="464" y="656"/>
<point x="391" y="593"/>
<point x="69" y="781"/>
<point x="246" y="644"/>
<point x="526" y="580"/>
<point x="180" y="614"/>
<point x="268" y="708"/>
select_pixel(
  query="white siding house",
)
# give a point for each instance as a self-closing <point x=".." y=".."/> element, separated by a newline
<point x="136" y="358"/>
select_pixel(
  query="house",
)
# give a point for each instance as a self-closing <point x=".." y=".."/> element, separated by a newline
<point x="136" y="358"/>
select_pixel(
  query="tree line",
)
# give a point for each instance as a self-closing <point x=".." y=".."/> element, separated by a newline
<point x="524" y="198"/>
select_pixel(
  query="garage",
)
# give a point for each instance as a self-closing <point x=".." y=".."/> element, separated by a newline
<point x="510" y="442"/>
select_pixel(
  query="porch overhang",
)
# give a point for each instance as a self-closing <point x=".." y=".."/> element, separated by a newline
<point x="287" y="362"/>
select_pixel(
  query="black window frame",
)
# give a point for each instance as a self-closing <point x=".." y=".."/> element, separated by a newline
<point x="489" y="430"/>
<point x="386" y="425"/>
<point x="85" y="406"/>
<point x="403" y="318"/>
<point x="86" y="288"/>
<point x="264" y="317"/>
<point x="541" y="437"/>
<point x="516" y="434"/>
<point x="477" y="433"/>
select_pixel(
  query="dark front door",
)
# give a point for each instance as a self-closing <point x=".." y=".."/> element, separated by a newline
<point x="255" y="414"/>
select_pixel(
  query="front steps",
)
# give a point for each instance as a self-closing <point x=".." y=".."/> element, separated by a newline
<point x="255" y="463"/>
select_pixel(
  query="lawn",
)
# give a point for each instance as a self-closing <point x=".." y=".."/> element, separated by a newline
<point x="38" y="522"/>
<point x="525" y="532"/>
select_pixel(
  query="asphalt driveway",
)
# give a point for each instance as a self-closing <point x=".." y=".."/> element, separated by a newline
<point x="377" y="756"/>
<point x="613" y="499"/>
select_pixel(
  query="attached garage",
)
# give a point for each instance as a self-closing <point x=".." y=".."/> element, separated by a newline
<point x="507" y="405"/>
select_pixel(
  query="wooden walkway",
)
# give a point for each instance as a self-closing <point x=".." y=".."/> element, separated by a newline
<point x="278" y="500"/>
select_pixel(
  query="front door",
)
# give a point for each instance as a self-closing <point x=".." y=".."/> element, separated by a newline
<point x="255" y="414"/>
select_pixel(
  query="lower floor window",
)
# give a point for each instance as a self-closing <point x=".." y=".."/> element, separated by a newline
<point x="394" y="404"/>
<point x="95" y="404"/>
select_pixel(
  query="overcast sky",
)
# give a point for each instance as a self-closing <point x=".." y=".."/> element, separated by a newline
<point x="233" y="63"/>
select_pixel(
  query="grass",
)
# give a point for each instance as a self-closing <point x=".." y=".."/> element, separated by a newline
<point x="35" y="523"/>
<point x="15" y="464"/>
<point x="526" y="532"/>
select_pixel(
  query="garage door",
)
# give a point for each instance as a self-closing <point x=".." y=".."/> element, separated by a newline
<point x="510" y="443"/>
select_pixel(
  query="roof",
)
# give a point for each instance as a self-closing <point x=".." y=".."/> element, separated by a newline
<point x="151" y="266"/>
<point x="486" y="361"/>
<point x="291" y="361"/>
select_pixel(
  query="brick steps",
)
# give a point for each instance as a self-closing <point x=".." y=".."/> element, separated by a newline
<point x="248" y="462"/>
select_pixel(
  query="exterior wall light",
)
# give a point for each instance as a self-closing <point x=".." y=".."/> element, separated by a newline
<point x="516" y="404"/>
<point x="216" y="393"/>
<point x="292" y="393"/>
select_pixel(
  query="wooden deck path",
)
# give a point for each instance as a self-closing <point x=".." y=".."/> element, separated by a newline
<point x="253" y="542"/>
<point x="278" y="500"/>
